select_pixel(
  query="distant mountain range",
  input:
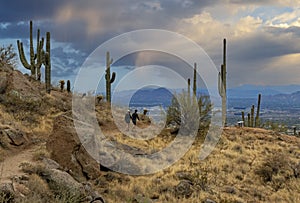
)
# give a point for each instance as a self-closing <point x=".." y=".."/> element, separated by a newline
<point x="239" y="96"/>
<point x="251" y="91"/>
<point x="144" y="97"/>
<point x="283" y="100"/>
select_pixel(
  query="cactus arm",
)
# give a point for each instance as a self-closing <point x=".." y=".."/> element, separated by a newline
<point x="22" y="56"/>
<point x="39" y="58"/>
<point x="48" y="42"/>
<point x="220" y="85"/>
<point x="113" y="77"/>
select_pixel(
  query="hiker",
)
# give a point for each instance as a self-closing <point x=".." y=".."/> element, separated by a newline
<point x="134" y="117"/>
<point x="127" y="118"/>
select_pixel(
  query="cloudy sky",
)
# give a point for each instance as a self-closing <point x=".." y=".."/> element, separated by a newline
<point x="263" y="36"/>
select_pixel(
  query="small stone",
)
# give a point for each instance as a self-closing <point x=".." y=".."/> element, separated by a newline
<point x="141" y="199"/>
<point x="98" y="200"/>
<point x="184" y="189"/>
<point x="209" y="201"/>
<point x="230" y="190"/>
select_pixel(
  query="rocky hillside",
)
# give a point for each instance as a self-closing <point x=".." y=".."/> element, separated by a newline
<point x="42" y="159"/>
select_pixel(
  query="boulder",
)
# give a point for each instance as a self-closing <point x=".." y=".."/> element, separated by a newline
<point x="50" y="164"/>
<point x="4" y="140"/>
<point x="17" y="137"/>
<point x="66" y="149"/>
<point x="61" y="179"/>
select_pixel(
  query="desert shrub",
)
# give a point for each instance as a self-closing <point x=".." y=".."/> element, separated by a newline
<point x="296" y="169"/>
<point x="29" y="168"/>
<point x="67" y="195"/>
<point x="271" y="166"/>
<point x="23" y="108"/>
<point x="7" y="55"/>
<point x="40" y="154"/>
<point x="275" y="126"/>
<point x="201" y="179"/>
<point x="186" y="110"/>
<point x="38" y="187"/>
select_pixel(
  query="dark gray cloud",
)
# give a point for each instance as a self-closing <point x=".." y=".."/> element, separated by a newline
<point x="15" y="10"/>
<point x="113" y="17"/>
<point x="260" y="46"/>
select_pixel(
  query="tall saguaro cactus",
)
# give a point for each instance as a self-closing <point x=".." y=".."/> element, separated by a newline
<point x="243" y="117"/>
<point x="252" y="117"/>
<point x="222" y="84"/>
<point x="249" y="120"/>
<point x="109" y="79"/>
<point x="195" y="80"/>
<point x="36" y="58"/>
<point x="68" y="86"/>
<point x="257" y="122"/>
<point x="47" y="63"/>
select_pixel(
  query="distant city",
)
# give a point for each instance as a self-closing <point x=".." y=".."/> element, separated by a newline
<point x="279" y="104"/>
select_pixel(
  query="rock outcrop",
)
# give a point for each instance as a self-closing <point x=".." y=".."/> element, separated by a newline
<point x="66" y="149"/>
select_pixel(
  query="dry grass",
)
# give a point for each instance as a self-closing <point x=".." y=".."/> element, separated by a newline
<point x="41" y="153"/>
<point x="238" y="170"/>
<point x="248" y="165"/>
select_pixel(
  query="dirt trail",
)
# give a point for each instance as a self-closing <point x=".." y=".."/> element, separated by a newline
<point x="10" y="166"/>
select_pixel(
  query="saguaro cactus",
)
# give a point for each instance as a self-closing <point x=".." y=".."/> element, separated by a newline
<point x="249" y="120"/>
<point x="252" y="116"/>
<point x="243" y="117"/>
<point x="109" y="79"/>
<point x="222" y="84"/>
<point x="69" y="86"/>
<point x="257" y="121"/>
<point x="36" y="59"/>
<point x="47" y="63"/>
<point x="195" y="81"/>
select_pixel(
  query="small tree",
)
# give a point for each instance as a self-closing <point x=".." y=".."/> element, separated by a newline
<point x="7" y="55"/>
<point x="62" y="85"/>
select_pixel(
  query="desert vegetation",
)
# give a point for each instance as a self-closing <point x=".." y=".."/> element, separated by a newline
<point x="43" y="160"/>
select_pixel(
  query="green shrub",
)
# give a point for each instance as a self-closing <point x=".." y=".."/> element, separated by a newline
<point x="187" y="110"/>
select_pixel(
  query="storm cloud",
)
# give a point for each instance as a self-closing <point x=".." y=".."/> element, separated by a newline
<point x="262" y="36"/>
